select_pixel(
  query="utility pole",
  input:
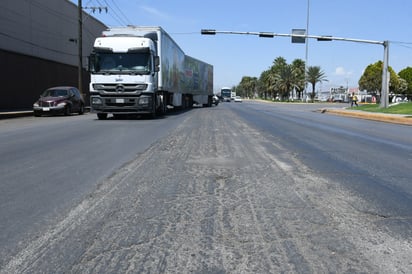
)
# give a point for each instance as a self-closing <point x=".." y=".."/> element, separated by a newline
<point x="80" y="40"/>
<point x="306" y="51"/>
<point x="80" y="47"/>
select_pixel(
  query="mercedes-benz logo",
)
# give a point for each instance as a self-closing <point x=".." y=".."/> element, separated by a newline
<point x="119" y="88"/>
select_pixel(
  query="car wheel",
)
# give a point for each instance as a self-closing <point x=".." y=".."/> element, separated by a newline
<point x="81" y="110"/>
<point x="67" y="110"/>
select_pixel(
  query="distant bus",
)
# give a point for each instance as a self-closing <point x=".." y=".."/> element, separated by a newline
<point x="226" y="94"/>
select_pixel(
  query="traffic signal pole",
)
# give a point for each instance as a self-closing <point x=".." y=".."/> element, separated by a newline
<point x="385" y="71"/>
<point x="385" y="77"/>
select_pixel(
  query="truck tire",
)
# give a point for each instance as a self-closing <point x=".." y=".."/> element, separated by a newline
<point x="102" y="116"/>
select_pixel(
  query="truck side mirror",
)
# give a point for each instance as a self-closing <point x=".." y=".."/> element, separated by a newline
<point x="91" y="61"/>
<point x="157" y="63"/>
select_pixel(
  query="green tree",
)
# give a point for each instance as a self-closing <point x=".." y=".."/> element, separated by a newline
<point x="268" y="83"/>
<point x="278" y="64"/>
<point x="314" y="75"/>
<point x="406" y="74"/>
<point x="264" y="84"/>
<point x="371" y="79"/>
<point x="286" y="80"/>
<point x="248" y="85"/>
<point x="403" y="86"/>
<point x="299" y="70"/>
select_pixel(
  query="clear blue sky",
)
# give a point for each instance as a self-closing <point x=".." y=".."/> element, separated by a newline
<point x="234" y="56"/>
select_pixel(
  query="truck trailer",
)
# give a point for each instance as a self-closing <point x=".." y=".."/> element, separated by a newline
<point x="141" y="70"/>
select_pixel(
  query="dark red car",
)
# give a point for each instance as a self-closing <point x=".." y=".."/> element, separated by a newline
<point x="59" y="100"/>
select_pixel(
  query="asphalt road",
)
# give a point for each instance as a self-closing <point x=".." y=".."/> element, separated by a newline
<point x="50" y="164"/>
<point x="238" y="188"/>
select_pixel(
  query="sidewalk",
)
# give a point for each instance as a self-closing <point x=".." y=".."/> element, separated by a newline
<point x="22" y="113"/>
<point x="13" y="114"/>
<point x="382" y="117"/>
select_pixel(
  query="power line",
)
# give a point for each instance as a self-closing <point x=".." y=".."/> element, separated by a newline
<point x="94" y="9"/>
<point x="407" y="45"/>
<point x="121" y="12"/>
<point x="113" y="13"/>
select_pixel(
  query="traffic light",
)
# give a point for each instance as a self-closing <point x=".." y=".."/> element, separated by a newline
<point x="325" y="38"/>
<point x="208" y="31"/>
<point x="266" y="34"/>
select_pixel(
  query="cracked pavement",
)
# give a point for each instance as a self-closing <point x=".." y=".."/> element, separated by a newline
<point x="212" y="198"/>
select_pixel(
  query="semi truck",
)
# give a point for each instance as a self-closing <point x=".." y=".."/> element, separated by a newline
<point x="142" y="70"/>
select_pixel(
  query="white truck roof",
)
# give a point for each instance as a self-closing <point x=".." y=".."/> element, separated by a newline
<point x="130" y="31"/>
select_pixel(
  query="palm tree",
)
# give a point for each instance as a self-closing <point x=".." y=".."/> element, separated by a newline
<point x="286" y="80"/>
<point x="314" y="75"/>
<point x="299" y="69"/>
<point x="248" y="85"/>
<point x="268" y="83"/>
<point x="264" y="84"/>
<point x="278" y="64"/>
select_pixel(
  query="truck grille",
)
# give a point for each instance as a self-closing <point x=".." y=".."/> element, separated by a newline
<point x="120" y="102"/>
<point x="119" y="88"/>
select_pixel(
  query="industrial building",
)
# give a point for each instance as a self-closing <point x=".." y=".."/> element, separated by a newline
<point x="39" y="49"/>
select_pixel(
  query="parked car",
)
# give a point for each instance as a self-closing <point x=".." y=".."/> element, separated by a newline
<point x="59" y="100"/>
<point x="238" y="99"/>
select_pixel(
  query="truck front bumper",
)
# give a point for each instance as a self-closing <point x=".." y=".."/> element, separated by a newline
<point x="126" y="105"/>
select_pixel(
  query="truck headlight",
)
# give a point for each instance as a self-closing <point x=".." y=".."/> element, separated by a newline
<point x="96" y="101"/>
<point x="143" y="100"/>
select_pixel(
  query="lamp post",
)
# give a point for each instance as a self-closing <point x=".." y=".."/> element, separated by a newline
<point x="385" y="77"/>
<point x="307" y="49"/>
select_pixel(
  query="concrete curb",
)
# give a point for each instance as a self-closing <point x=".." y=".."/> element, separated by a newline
<point x="382" y="117"/>
<point x="14" y="114"/>
<point x="23" y="113"/>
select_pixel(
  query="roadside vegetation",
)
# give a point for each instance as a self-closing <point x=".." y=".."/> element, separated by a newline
<point x="402" y="108"/>
<point x="286" y="82"/>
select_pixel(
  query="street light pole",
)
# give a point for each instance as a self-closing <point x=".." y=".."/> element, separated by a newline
<point x="384" y="102"/>
<point x="307" y="49"/>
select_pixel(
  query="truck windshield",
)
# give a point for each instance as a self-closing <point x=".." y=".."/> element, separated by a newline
<point x="134" y="63"/>
<point x="226" y="93"/>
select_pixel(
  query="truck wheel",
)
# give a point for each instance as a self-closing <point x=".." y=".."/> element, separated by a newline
<point x="162" y="108"/>
<point x="102" y="116"/>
